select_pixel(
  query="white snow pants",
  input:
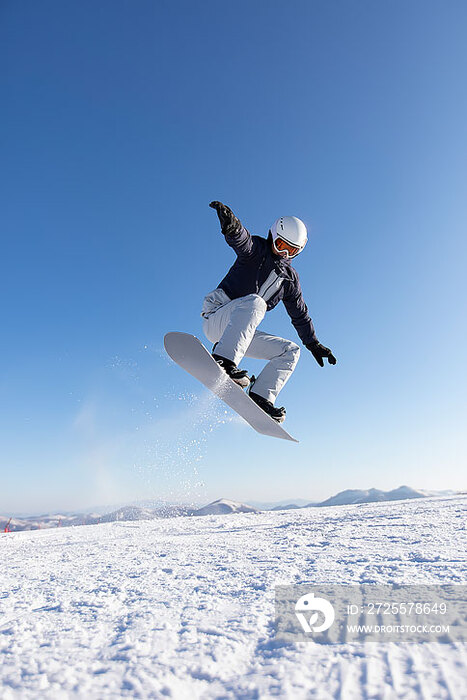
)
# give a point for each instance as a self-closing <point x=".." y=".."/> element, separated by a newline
<point x="232" y="325"/>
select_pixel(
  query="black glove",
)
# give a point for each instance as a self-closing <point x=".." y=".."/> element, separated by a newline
<point x="319" y="351"/>
<point x="227" y="218"/>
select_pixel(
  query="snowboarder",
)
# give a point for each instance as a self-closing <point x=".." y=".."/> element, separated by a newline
<point x="260" y="277"/>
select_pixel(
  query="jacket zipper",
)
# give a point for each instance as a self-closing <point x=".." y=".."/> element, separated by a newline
<point x="257" y="275"/>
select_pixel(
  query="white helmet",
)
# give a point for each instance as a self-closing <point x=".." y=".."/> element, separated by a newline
<point x="289" y="236"/>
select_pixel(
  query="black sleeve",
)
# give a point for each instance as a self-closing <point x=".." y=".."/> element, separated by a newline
<point x="298" y="311"/>
<point x="239" y="239"/>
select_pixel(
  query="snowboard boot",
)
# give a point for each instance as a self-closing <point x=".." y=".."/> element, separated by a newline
<point x="268" y="407"/>
<point x="239" y="376"/>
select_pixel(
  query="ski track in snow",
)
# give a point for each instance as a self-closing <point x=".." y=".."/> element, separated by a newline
<point x="184" y="607"/>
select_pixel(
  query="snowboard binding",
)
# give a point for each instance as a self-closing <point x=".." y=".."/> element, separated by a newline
<point x="239" y="376"/>
<point x="278" y="414"/>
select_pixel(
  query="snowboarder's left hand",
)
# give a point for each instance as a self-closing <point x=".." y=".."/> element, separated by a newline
<point x="319" y="352"/>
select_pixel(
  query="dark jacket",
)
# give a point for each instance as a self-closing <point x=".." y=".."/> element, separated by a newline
<point x="258" y="271"/>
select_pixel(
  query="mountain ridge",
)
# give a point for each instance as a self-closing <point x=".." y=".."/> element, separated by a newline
<point x="221" y="506"/>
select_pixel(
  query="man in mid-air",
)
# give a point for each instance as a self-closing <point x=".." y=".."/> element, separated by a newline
<point x="261" y="276"/>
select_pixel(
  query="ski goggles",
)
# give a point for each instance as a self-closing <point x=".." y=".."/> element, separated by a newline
<point x="283" y="246"/>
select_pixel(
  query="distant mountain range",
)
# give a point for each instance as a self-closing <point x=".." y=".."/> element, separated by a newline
<point x="351" y="496"/>
<point x="133" y="512"/>
<point x="280" y="505"/>
<point x="219" y="507"/>
<point x="224" y="506"/>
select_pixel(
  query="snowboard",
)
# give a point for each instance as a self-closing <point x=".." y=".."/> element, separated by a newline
<point x="188" y="352"/>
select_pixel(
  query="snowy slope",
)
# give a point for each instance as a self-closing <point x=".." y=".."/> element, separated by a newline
<point x="183" y="607"/>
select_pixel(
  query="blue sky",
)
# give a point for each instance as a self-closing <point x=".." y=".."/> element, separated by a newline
<point x="121" y="121"/>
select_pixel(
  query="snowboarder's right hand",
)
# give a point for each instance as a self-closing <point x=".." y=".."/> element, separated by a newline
<point x="226" y="216"/>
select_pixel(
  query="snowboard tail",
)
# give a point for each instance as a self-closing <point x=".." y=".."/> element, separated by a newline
<point x="190" y="354"/>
